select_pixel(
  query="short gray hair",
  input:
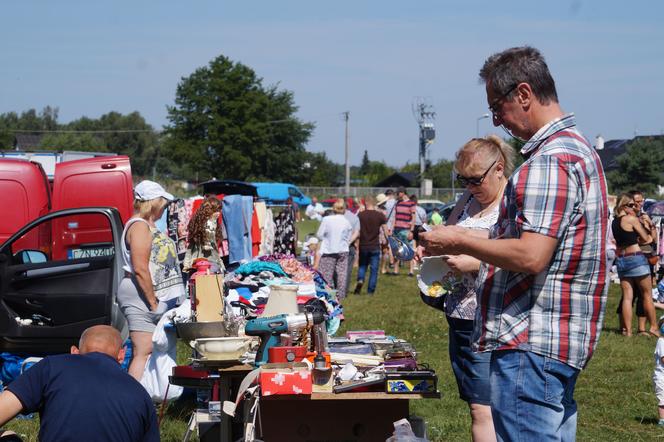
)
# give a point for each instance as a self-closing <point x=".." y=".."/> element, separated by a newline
<point x="505" y="70"/>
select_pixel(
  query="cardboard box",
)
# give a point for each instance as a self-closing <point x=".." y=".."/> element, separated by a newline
<point x="285" y="379"/>
<point x="411" y="382"/>
<point x="209" y="298"/>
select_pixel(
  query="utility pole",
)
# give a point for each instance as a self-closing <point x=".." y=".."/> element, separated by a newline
<point x="345" y="116"/>
<point x="425" y="116"/>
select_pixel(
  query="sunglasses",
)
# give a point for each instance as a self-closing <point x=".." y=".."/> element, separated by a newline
<point x="631" y="205"/>
<point x="475" y="181"/>
<point x="496" y="105"/>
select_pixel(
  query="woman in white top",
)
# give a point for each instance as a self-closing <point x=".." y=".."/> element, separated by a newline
<point x="335" y="234"/>
<point x="153" y="281"/>
<point x="483" y="166"/>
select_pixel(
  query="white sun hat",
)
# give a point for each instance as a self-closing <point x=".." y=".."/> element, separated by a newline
<point x="149" y="190"/>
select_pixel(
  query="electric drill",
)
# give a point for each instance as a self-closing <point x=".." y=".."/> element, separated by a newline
<point x="269" y="329"/>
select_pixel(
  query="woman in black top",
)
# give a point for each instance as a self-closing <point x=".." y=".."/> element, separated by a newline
<point x="632" y="264"/>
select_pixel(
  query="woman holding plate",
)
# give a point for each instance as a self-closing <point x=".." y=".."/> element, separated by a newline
<point x="482" y="165"/>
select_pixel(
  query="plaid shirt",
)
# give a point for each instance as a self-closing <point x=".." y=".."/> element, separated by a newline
<point x="559" y="192"/>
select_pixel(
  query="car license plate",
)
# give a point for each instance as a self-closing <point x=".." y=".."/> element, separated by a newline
<point x="90" y="252"/>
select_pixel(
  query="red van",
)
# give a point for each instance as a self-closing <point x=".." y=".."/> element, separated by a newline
<point x="91" y="182"/>
<point x="25" y="194"/>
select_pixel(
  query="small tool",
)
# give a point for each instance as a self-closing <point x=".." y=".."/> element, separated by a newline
<point x="269" y="330"/>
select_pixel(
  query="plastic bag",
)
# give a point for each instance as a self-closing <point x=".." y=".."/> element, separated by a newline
<point x="401" y="249"/>
<point x="404" y="433"/>
<point x="160" y="363"/>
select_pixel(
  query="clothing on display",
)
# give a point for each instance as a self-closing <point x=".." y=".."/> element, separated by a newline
<point x="284" y="232"/>
<point x="237" y="216"/>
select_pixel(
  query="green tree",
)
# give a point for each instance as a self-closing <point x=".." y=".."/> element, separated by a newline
<point x="72" y="141"/>
<point x="517" y="145"/>
<point x="640" y="167"/>
<point x="441" y="173"/>
<point x="226" y="124"/>
<point x="377" y="171"/>
<point x="113" y="132"/>
<point x="320" y="170"/>
<point x="12" y="123"/>
<point x="364" y="167"/>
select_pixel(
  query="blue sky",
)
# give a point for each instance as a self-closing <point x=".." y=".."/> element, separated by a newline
<point x="371" y="58"/>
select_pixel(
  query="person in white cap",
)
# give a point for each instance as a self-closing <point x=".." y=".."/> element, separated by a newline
<point x="153" y="281"/>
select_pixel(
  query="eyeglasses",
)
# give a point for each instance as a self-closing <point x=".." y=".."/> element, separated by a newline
<point x="475" y="181"/>
<point x="631" y="205"/>
<point x="496" y="105"/>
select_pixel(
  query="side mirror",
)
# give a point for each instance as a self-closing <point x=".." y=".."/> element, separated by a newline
<point x="30" y="257"/>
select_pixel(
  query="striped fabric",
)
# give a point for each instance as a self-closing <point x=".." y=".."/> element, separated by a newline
<point x="404" y="214"/>
<point x="559" y="191"/>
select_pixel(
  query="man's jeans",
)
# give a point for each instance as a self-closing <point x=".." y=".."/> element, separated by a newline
<point x="532" y="397"/>
<point x="371" y="258"/>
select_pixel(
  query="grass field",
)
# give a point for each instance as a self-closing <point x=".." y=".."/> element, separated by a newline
<point x="614" y="393"/>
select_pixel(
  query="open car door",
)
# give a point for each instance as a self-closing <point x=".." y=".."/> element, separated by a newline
<point x="52" y="292"/>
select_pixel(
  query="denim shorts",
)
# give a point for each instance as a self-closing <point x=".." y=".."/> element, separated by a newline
<point x="632" y="266"/>
<point x="402" y="234"/>
<point x="471" y="369"/>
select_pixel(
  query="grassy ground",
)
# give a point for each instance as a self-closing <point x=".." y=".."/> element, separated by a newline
<point x="614" y="393"/>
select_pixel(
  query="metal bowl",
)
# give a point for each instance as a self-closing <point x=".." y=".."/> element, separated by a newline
<point x="190" y="331"/>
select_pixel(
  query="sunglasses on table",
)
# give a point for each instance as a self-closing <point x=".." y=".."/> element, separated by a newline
<point x="475" y="181"/>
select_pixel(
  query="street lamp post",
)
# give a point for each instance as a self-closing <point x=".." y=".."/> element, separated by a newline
<point x="477" y="125"/>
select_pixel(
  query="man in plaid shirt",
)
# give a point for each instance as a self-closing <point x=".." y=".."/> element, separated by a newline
<point x="542" y="289"/>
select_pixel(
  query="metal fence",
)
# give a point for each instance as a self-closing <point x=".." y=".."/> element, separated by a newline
<point x="443" y="194"/>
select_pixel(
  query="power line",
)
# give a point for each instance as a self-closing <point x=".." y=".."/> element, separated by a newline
<point x="345" y="117"/>
<point x="111" y="131"/>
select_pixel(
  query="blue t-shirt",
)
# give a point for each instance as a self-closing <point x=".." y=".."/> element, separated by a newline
<point x="86" y="397"/>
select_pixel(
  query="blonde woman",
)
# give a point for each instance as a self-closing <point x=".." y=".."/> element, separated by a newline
<point x="482" y="166"/>
<point x="633" y="268"/>
<point x="153" y="281"/>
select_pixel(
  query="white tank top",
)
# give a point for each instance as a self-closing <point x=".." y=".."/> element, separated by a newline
<point x="126" y="256"/>
<point x="164" y="266"/>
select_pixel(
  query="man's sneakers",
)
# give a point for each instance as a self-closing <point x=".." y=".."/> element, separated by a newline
<point x="358" y="287"/>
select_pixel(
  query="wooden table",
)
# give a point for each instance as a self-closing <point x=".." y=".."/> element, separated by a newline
<point x="320" y="417"/>
<point x="347" y="417"/>
<point x="227" y="382"/>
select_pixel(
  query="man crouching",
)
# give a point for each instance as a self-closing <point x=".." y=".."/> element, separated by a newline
<point x="84" y="395"/>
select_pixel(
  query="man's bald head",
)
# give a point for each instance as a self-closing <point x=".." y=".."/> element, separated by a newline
<point x="100" y="338"/>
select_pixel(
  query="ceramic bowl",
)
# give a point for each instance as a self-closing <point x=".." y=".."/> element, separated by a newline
<point x="436" y="278"/>
<point x="222" y="349"/>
